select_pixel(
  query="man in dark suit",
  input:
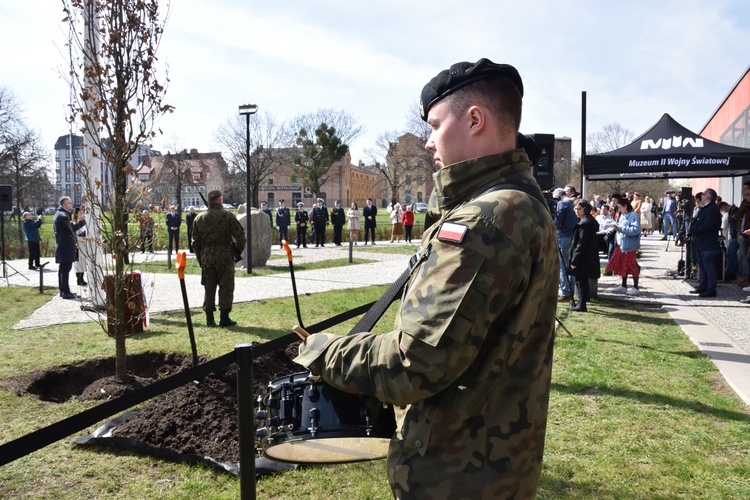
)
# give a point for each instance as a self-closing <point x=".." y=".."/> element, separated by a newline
<point x="704" y="235"/>
<point x="65" y="244"/>
<point x="370" y="212"/>
<point x="283" y="221"/>
<point x="173" y="228"/>
<point x="338" y="218"/>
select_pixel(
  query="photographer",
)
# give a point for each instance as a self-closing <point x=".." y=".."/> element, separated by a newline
<point x="31" y="230"/>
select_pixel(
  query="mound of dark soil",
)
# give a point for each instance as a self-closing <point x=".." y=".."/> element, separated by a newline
<point x="197" y="418"/>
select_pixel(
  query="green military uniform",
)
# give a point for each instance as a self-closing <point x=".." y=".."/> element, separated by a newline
<point x="213" y="232"/>
<point x="470" y="357"/>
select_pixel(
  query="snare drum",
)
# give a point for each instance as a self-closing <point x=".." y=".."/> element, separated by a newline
<point x="301" y="421"/>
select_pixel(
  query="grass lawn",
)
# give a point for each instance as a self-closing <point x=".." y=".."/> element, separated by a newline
<point x="635" y="410"/>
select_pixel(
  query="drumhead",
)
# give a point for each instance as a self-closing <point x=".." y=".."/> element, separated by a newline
<point x="335" y="450"/>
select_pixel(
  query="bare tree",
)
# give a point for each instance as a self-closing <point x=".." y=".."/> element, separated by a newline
<point x="121" y="95"/>
<point x="346" y="126"/>
<point x="23" y="160"/>
<point x="268" y="143"/>
<point x="611" y="137"/>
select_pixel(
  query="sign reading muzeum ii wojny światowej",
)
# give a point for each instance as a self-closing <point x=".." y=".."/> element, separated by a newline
<point x="668" y="150"/>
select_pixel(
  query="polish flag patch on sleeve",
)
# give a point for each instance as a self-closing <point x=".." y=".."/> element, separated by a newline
<point x="452" y="232"/>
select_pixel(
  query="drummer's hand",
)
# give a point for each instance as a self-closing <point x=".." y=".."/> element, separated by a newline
<point x="301" y="332"/>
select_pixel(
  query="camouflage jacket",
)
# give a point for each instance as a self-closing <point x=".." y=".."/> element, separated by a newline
<point x="213" y="232"/>
<point x="470" y="356"/>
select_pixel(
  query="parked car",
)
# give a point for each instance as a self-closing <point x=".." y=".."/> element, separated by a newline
<point x="420" y="207"/>
<point x="227" y="205"/>
<point x="50" y="211"/>
<point x="202" y="207"/>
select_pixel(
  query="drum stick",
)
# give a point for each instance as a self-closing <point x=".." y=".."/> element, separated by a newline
<point x="294" y="282"/>
<point x="301" y="332"/>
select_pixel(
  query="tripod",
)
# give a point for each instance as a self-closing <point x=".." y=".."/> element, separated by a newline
<point x="5" y="265"/>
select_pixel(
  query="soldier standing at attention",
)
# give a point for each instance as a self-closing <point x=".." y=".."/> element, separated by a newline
<point x="338" y="219"/>
<point x="283" y="221"/>
<point x="301" y="218"/>
<point x="469" y="361"/>
<point x="213" y="232"/>
<point x="319" y="216"/>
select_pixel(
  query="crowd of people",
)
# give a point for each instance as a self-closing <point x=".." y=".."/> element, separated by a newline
<point x="715" y="234"/>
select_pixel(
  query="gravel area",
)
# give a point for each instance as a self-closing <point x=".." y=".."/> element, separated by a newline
<point x="164" y="294"/>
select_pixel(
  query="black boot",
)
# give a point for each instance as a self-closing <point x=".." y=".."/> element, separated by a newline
<point x="81" y="281"/>
<point x="580" y="307"/>
<point x="210" y="318"/>
<point x="225" y="320"/>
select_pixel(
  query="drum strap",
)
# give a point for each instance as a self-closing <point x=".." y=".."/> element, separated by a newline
<point x="372" y="316"/>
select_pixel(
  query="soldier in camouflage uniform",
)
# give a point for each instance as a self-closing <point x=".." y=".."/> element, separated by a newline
<point x="469" y="361"/>
<point x="213" y="232"/>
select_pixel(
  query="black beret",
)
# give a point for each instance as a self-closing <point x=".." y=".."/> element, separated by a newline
<point x="460" y="74"/>
<point x="214" y="195"/>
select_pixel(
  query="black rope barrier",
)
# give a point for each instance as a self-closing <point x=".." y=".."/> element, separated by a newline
<point x="36" y="440"/>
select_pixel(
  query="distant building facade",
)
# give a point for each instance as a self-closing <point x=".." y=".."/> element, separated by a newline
<point x="70" y="163"/>
<point x="160" y="178"/>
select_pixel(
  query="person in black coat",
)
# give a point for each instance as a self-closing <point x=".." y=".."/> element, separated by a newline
<point x="173" y="229"/>
<point x="301" y="218"/>
<point x="319" y="216"/>
<point x="704" y="237"/>
<point x="338" y="219"/>
<point x="283" y="221"/>
<point x="65" y="244"/>
<point x="370" y="212"/>
<point x="584" y="256"/>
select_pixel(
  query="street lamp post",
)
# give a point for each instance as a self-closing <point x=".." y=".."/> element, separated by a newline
<point x="247" y="110"/>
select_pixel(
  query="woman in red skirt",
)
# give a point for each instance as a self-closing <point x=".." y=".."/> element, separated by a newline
<point x="623" y="261"/>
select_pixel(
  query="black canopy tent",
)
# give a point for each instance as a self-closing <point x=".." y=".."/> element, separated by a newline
<point x="668" y="150"/>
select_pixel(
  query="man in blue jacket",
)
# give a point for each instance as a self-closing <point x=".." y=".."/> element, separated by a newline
<point x="31" y="230"/>
<point x="565" y="223"/>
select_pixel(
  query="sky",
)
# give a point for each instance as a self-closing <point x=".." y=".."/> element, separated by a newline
<point x="636" y="60"/>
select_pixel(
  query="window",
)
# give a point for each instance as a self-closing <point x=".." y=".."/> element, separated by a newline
<point x="143" y="177"/>
<point x="270" y="182"/>
<point x="196" y="176"/>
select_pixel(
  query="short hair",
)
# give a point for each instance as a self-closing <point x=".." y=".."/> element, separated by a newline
<point x="499" y="94"/>
<point x="710" y="194"/>
<point x="64" y="199"/>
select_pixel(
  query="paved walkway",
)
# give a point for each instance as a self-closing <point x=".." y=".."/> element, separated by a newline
<point x="720" y="327"/>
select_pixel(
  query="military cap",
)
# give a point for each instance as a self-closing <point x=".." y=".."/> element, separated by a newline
<point x="320" y="199"/>
<point x="300" y="204"/>
<point x="461" y="74"/>
<point x="214" y="195"/>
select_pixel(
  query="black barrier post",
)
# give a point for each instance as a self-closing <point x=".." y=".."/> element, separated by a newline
<point x="351" y="247"/>
<point x="244" y="359"/>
